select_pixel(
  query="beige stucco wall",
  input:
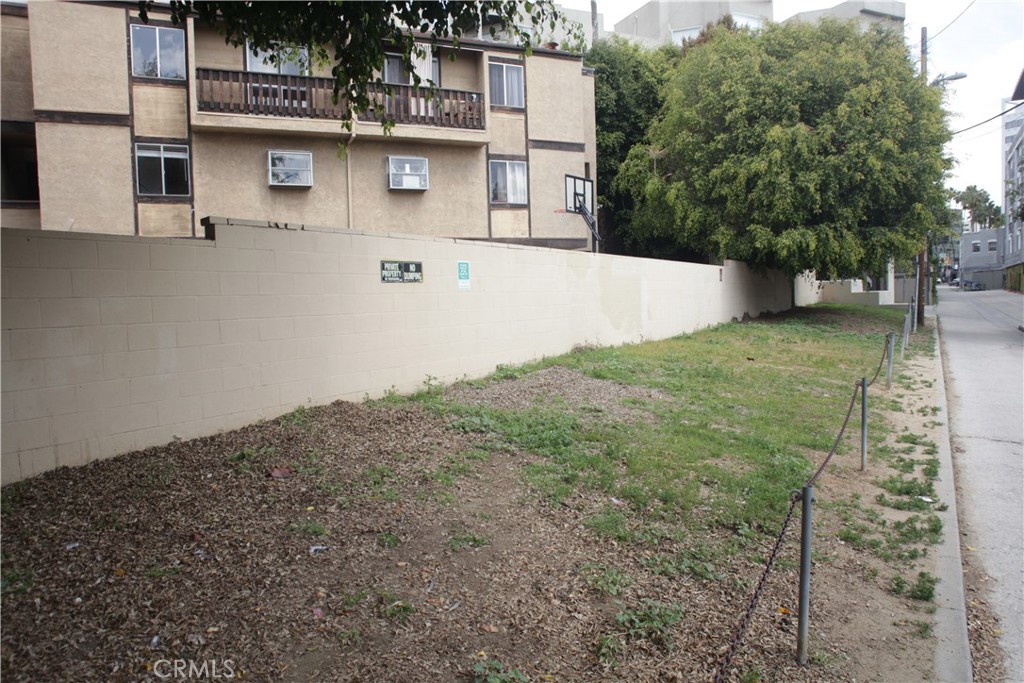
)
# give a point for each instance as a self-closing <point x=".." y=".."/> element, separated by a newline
<point x="160" y="111"/>
<point x="112" y="344"/>
<point x="230" y="172"/>
<point x="466" y="72"/>
<point x="554" y="93"/>
<point x="454" y="206"/>
<point x="508" y="132"/>
<point x="165" y="220"/>
<point x="85" y="178"/>
<point x="548" y="169"/>
<point x="15" y="69"/>
<point x="211" y="52"/>
<point x="79" y="57"/>
<point x="507" y="223"/>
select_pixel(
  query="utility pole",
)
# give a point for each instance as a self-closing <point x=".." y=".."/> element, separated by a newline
<point x="923" y="256"/>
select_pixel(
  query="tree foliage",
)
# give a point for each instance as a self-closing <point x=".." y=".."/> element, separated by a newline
<point x="627" y="95"/>
<point x="352" y="37"/>
<point x="981" y="210"/>
<point x="798" y="147"/>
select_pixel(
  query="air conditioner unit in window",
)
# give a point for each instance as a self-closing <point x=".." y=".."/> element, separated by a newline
<point x="408" y="173"/>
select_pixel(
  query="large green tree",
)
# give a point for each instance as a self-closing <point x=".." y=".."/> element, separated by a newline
<point x="628" y="80"/>
<point x="352" y="37"/>
<point x="797" y="147"/>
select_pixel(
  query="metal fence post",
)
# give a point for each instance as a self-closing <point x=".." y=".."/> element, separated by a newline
<point x="913" y="319"/>
<point x="805" y="576"/>
<point x="891" y="341"/>
<point x="863" y="424"/>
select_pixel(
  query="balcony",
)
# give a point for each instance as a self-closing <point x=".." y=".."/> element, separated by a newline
<point x="303" y="97"/>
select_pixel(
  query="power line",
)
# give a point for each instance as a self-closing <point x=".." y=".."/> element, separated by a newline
<point x="971" y="4"/>
<point x="993" y="118"/>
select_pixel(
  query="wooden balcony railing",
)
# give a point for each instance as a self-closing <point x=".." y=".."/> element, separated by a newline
<point x="442" y="107"/>
<point x="260" y="94"/>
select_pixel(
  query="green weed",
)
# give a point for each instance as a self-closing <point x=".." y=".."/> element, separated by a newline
<point x="605" y="579"/>
<point x="467" y="539"/>
<point x="308" y="527"/>
<point x="494" y="671"/>
<point x="651" y="621"/>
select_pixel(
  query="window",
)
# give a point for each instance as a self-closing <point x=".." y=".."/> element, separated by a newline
<point x="975" y="247"/>
<point x="408" y="173"/>
<point x="751" y="21"/>
<point x="507" y="85"/>
<point x="397" y="71"/>
<point x="158" y="52"/>
<point x="508" y="182"/>
<point x="162" y="170"/>
<point x="282" y="60"/>
<point x="682" y="34"/>
<point x="290" y="169"/>
<point x="991" y="245"/>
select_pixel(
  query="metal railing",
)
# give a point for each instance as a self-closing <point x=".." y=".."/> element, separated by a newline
<point x="806" y="497"/>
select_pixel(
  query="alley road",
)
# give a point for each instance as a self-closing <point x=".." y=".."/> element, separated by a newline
<point x="983" y="354"/>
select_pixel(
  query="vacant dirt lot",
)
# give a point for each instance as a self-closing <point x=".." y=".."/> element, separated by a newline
<point x="378" y="542"/>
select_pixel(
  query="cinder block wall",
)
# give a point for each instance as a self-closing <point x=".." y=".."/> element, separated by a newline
<point x="115" y="343"/>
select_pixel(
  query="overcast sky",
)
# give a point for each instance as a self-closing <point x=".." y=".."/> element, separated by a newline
<point x="987" y="43"/>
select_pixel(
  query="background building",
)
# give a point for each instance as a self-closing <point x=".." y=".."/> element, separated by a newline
<point x="112" y="125"/>
<point x="657" y="23"/>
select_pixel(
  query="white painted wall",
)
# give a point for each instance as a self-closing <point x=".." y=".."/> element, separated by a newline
<point x="115" y="343"/>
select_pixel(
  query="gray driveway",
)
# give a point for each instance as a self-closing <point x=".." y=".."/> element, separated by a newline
<point x="983" y="351"/>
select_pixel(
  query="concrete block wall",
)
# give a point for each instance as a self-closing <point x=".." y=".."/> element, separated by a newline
<point x="115" y="343"/>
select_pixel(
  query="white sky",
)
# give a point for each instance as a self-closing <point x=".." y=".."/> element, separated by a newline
<point x="987" y="43"/>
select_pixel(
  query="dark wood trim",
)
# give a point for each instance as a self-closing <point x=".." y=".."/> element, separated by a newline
<point x="526" y="146"/>
<point x="162" y="23"/>
<point x="487" y="190"/>
<point x="557" y="146"/>
<point x="144" y="140"/>
<point x="19" y="128"/>
<point x="512" y="110"/>
<point x="507" y="157"/>
<point x="84" y="117"/>
<point x="169" y="199"/>
<point x="511" y="207"/>
<point x="131" y="114"/>
<point x="506" y="60"/>
<point x="159" y="82"/>
<point x="14" y="10"/>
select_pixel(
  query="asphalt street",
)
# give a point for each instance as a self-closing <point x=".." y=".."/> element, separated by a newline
<point x="983" y="355"/>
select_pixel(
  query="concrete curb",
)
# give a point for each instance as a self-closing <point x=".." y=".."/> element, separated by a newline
<point x="952" y="649"/>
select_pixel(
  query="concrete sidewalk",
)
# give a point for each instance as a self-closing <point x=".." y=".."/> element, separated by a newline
<point x="952" y="648"/>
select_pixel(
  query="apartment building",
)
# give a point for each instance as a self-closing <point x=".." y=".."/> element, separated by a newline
<point x="658" y="22"/>
<point x="113" y="125"/>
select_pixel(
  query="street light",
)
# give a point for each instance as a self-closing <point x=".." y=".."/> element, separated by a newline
<point x="942" y="78"/>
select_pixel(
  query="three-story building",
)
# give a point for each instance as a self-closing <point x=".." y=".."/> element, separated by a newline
<point x="115" y="125"/>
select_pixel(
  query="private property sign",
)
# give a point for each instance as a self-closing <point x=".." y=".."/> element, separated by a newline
<point x="401" y="271"/>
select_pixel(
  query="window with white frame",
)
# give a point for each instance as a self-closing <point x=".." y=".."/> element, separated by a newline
<point x="162" y="170"/>
<point x="507" y="85"/>
<point x="992" y="245"/>
<point x="408" y="173"/>
<point x="751" y="21"/>
<point x="397" y="71"/>
<point x="975" y="247"/>
<point x="508" y="182"/>
<point x="289" y="169"/>
<point x="158" y="52"/>
<point x="682" y="34"/>
<point x="282" y="60"/>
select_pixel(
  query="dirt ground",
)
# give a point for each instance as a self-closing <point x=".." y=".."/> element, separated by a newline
<point x="374" y="542"/>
